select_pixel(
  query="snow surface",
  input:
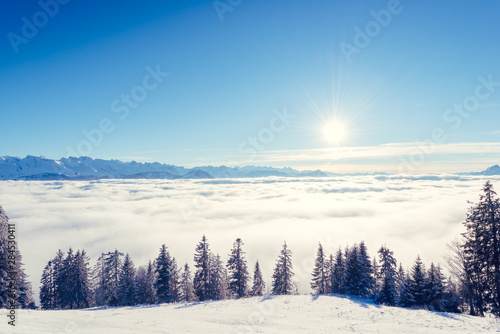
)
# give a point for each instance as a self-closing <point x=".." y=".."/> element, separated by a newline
<point x="276" y="314"/>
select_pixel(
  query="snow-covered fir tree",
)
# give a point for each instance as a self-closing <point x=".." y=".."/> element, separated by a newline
<point x="238" y="271"/>
<point x="186" y="285"/>
<point x="106" y="278"/>
<point x="258" y="286"/>
<point x="387" y="294"/>
<point x="283" y="273"/>
<point x="418" y="284"/>
<point x="337" y="273"/>
<point x="127" y="294"/>
<point x="9" y="251"/>
<point x="73" y="286"/>
<point x="164" y="277"/>
<point x="81" y="296"/>
<point x="352" y="282"/>
<point x="144" y="282"/>
<point x="319" y="282"/>
<point x="435" y="288"/>
<point x="202" y="284"/>
<point x="48" y="288"/>
<point x="482" y="252"/>
<point x="175" y="282"/>
<point x="218" y="279"/>
<point x="366" y="278"/>
<point x="57" y="263"/>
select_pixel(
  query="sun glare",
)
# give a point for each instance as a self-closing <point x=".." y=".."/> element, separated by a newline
<point x="334" y="132"/>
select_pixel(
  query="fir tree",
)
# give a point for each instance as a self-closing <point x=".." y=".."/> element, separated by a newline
<point x="338" y="273"/>
<point x="63" y="281"/>
<point x="175" y="282"/>
<point x="482" y="252"/>
<point x="259" y="285"/>
<point x="418" y="284"/>
<point x="353" y="285"/>
<point x="366" y="278"/>
<point x="80" y="290"/>
<point x="202" y="284"/>
<point x="47" y="288"/>
<point x="126" y="284"/>
<point x="238" y="271"/>
<point x="218" y="279"/>
<point x="57" y="263"/>
<point x="164" y="277"/>
<point x="144" y="282"/>
<point x="9" y="252"/>
<point x="319" y="282"/>
<point x="388" y="294"/>
<point x="282" y="276"/>
<point x="187" y="289"/>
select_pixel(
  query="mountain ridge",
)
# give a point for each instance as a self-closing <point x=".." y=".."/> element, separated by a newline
<point x="85" y="168"/>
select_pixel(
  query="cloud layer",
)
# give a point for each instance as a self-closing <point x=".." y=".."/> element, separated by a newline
<point x="412" y="215"/>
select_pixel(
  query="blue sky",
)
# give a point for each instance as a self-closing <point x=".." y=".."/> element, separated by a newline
<point x="429" y="72"/>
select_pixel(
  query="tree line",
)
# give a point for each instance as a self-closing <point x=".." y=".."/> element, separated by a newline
<point x="68" y="282"/>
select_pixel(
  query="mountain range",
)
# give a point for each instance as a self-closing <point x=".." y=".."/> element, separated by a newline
<point x="85" y="168"/>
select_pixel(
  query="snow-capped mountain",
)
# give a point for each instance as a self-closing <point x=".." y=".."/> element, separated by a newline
<point x="85" y="168"/>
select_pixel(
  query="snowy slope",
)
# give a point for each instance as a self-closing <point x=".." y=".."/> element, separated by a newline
<point x="85" y="168"/>
<point x="283" y="314"/>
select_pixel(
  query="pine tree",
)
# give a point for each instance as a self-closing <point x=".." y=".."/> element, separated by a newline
<point x="202" y="284"/>
<point x="175" y="282"/>
<point x="388" y="294"/>
<point x="57" y="263"/>
<point x="418" y="284"/>
<point x="73" y="284"/>
<point x="9" y="253"/>
<point x="353" y="285"/>
<point x="282" y="276"/>
<point x="126" y="284"/>
<point x="47" y="288"/>
<point x="435" y="288"/>
<point x="106" y="278"/>
<point x="366" y="279"/>
<point x="319" y="282"/>
<point x="259" y="285"/>
<point x="144" y="282"/>
<point x="164" y="277"/>
<point x="482" y="252"/>
<point x="187" y="289"/>
<point x="238" y="271"/>
<point x="218" y="279"/>
<point x="338" y="273"/>
<point x="63" y="281"/>
<point x="80" y="290"/>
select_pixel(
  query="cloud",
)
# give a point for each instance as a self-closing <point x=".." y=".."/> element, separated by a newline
<point x="412" y="215"/>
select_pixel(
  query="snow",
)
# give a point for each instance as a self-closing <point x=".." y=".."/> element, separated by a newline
<point x="276" y="314"/>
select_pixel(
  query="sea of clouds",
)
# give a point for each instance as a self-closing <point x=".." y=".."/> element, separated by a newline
<point x="412" y="215"/>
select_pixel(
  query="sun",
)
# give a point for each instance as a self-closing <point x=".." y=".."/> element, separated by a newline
<point x="335" y="132"/>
